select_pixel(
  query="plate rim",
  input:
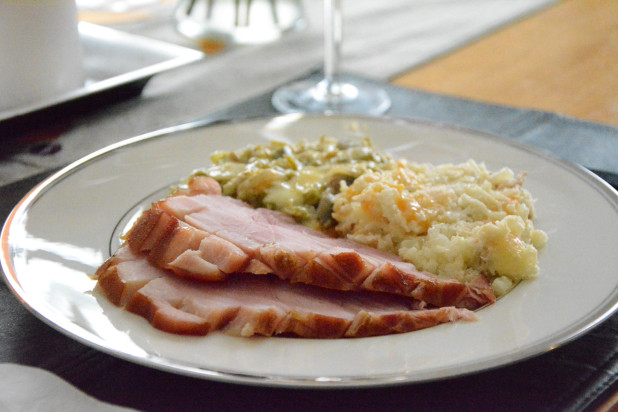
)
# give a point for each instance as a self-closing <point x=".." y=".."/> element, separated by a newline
<point x="602" y="311"/>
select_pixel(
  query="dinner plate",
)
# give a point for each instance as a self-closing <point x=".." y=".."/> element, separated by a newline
<point x="58" y="235"/>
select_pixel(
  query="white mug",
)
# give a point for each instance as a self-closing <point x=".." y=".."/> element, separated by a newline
<point x="40" y="51"/>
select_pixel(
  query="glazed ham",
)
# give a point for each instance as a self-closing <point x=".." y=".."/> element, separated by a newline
<point x="209" y="237"/>
<point x="247" y="305"/>
<point x="198" y="261"/>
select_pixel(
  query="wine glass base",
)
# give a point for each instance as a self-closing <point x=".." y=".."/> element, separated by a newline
<point x="351" y="96"/>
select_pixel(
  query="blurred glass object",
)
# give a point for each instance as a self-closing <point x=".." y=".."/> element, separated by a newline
<point x="239" y="21"/>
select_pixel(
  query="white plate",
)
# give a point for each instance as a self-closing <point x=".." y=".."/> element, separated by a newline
<point x="65" y="227"/>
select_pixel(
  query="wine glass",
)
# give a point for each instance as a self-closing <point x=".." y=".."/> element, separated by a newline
<point x="335" y="92"/>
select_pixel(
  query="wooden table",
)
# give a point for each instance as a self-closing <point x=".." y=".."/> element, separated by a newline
<point x="562" y="59"/>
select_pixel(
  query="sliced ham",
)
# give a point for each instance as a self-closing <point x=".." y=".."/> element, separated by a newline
<point x="199" y="262"/>
<point x="122" y="275"/>
<point x="209" y="237"/>
<point x="247" y="305"/>
<point x="188" y="252"/>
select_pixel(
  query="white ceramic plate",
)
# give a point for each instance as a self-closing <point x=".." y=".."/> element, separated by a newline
<point x="68" y="225"/>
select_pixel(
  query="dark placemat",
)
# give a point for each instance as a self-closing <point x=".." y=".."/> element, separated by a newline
<point x="577" y="376"/>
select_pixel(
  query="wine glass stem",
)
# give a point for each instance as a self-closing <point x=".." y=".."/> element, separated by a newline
<point x="333" y="34"/>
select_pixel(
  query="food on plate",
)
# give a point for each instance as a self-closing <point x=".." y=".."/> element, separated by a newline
<point x="455" y="221"/>
<point x="299" y="180"/>
<point x="247" y="305"/>
<point x="198" y="261"/>
<point x="324" y="240"/>
<point x="212" y="237"/>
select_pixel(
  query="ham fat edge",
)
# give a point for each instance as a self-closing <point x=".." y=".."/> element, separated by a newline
<point x="198" y="262"/>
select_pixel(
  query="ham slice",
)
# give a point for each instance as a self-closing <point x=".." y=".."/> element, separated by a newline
<point x="247" y="305"/>
<point x="199" y="262"/>
<point x="122" y="275"/>
<point x="210" y="237"/>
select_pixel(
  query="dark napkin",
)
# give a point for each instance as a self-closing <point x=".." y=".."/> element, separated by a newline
<point x="580" y="375"/>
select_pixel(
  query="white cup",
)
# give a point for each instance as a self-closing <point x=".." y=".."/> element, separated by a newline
<point x="40" y="51"/>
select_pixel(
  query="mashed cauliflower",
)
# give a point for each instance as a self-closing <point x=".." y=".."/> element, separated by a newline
<point x="456" y="221"/>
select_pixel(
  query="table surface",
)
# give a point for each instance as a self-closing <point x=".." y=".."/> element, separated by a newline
<point x="563" y="59"/>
